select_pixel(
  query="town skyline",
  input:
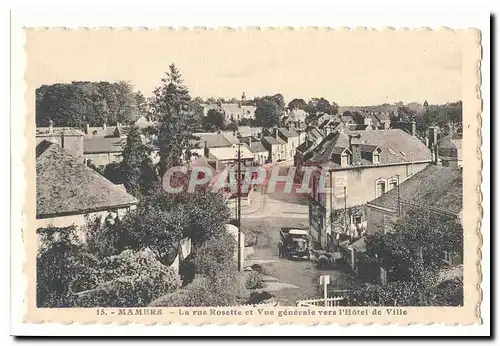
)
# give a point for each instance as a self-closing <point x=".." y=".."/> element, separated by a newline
<point x="295" y="65"/>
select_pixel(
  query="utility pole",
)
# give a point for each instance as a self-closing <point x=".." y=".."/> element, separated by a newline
<point x="345" y="208"/>
<point x="238" y="207"/>
<point x="399" y="198"/>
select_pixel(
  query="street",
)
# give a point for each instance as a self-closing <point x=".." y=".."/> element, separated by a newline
<point x="298" y="278"/>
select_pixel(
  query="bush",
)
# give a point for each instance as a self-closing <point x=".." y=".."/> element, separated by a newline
<point x="130" y="279"/>
<point x="62" y="267"/>
<point x="220" y="291"/>
<point x="254" y="281"/>
<point x="216" y="257"/>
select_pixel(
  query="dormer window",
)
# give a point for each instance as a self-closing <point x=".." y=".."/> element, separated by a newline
<point x="376" y="158"/>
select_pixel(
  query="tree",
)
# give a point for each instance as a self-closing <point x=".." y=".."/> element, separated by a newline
<point x="214" y="120"/>
<point x="297" y="104"/>
<point x="141" y="105"/>
<point x="157" y="230"/>
<point x="137" y="167"/>
<point x="173" y="107"/>
<point x="80" y="103"/>
<point x="321" y="105"/>
<point x="267" y="113"/>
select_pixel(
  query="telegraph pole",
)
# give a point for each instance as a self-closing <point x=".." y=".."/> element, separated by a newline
<point x="238" y="206"/>
<point x="399" y="198"/>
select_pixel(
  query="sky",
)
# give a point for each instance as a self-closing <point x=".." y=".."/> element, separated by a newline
<point x="348" y="67"/>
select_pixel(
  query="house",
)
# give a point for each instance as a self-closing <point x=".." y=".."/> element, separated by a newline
<point x="439" y="189"/>
<point x="449" y="150"/>
<point x="292" y="140"/>
<point x="257" y="148"/>
<point x="352" y="168"/>
<point x="208" y="140"/>
<point x="235" y="112"/>
<point x="68" y="138"/>
<point x="70" y="193"/>
<point x="221" y="158"/>
<point x="276" y="147"/>
<point x="436" y="188"/>
<point x="107" y="131"/>
<point x="250" y="131"/>
<point x="101" y="151"/>
<point x="296" y="118"/>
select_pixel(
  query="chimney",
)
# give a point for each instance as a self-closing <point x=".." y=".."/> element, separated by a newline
<point x="413" y="128"/>
<point x="88" y="129"/>
<point x="205" y="151"/>
<point x="351" y="147"/>
<point x="51" y="127"/>
<point x="276" y="133"/>
<point x="104" y="126"/>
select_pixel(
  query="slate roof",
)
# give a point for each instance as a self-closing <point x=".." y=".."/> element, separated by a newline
<point x="231" y="108"/>
<point x="215" y="140"/>
<point x="305" y="146"/>
<point x="288" y="133"/>
<point x="453" y="141"/>
<point x="246" y="131"/>
<point x="67" y="131"/>
<point x="396" y="146"/>
<point x="230" y="153"/>
<point x="435" y="187"/>
<point x="95" y="145"/>
<point x="65" y="186"/>
<point x="256" y="147"/>
<point x="273" y="141"/>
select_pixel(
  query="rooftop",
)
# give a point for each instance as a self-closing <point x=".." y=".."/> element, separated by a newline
<point x="67" y="131"/>
<point x="230" y="153"/>
<point x="273" y="141"/>
<point x="215" y="139"/>
<point x="256" y="147"/>
<point x="288" y="132"/>
<point x="65" y="186"/>
<point x="95" y="145"/>
<point x="435" y="186"/>
<point x="396" y="146"/>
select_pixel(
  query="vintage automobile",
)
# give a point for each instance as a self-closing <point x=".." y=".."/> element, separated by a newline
<point x="294" y="243"/>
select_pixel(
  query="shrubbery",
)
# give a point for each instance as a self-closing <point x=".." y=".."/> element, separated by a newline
<point x="254" y="281"/>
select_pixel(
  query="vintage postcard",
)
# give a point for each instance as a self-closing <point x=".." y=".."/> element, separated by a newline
<point x="253" y="175"/>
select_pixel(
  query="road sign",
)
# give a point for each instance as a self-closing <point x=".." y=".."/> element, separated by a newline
<point x="324" y="279"/>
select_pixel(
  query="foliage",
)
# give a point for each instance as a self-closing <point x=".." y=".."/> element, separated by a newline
<point x="130" y="279"/>
<point x="106" y="240"/>
<point x="412" y="254"/>
<point x="297" y="104"/>
<point x="80" y="103"/>
<point x="214" y="121"/>
<point x="203" y="292"/>
<point x="216" y="283"/>
<point x="175" y="111"/>
<point x="137" y="166"/>
<point x="321" y="105"/>
<point x="268" y="112"/>
<point x="414" y="250"/>
<point x="400" y="293"/>
<point x="253" y="281"/>
<point x="216" y="256"/>
<point x="62" y="267"/>
<point x="114" y="173"/>
<point x="160" y="231"/>
<point x="207" y="212"/>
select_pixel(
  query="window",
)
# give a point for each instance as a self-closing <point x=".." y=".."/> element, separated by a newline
<point x="409" y="170"/>
<point x="376" y="158"/>
<point x="380" y="189"/>
<point x="393" y="184"/>
<point x="345" y="160"/>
